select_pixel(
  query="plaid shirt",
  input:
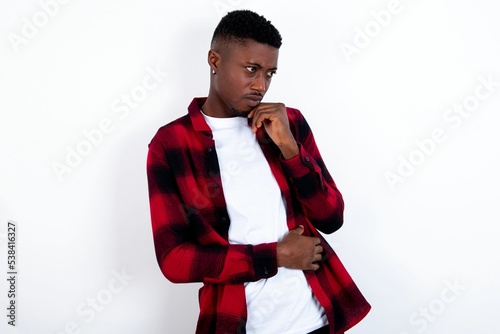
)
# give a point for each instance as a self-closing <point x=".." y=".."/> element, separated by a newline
<point x="190" y="223"/>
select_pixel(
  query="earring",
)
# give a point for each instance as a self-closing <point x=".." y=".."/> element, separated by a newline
<point x="213" y="71"/>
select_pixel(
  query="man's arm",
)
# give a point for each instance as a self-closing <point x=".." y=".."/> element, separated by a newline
<point x="311" y="182"/>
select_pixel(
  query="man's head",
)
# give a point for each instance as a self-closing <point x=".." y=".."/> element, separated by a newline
<point x="243" y="58"/>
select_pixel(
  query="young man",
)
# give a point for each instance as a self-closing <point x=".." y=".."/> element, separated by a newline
<point x="238" y="192"/>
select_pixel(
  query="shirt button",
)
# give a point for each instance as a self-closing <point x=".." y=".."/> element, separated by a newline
<point x="266" y="271"/>
<point x="307" y="159"/>
<point x="209" y="149"/>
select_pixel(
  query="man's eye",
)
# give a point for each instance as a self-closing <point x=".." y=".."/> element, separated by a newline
<point x="252" y="69"/>
<point x="271" y="73"/>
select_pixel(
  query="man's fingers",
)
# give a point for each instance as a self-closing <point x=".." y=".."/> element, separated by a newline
<point x="317" y="257"/>
<point x="253" y="114"/>
<point x="261" y="113"/>
<point x="258" y="118"/>
<point x="299" y="229"/>
<point x="313" y="266"/>
<point x="305" y="252"/>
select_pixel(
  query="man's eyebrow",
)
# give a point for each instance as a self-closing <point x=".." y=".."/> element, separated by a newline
<point x="254" y="64"/>
<point x="260" y="66"/>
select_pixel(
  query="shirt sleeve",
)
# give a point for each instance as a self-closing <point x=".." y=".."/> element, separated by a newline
<point x="321" y="201"/>
<point x="187" y="248"/>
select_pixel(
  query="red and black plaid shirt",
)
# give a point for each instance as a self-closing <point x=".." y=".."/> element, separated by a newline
<point x="190" y="223"/>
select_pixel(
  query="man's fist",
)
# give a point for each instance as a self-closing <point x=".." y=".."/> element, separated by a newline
<point x="296" y="251"/>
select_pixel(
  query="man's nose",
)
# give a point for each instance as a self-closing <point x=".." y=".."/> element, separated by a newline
<point x="259" y="83"/>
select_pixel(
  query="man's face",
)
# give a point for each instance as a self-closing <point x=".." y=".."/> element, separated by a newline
<point x="243" y="76"/>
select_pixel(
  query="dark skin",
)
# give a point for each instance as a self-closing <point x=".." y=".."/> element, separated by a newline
<point x="241" y="75"/>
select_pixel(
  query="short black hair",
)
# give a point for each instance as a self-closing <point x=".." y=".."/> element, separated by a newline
<point x="242" y="24"/>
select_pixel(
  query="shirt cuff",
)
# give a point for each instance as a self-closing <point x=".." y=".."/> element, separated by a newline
<point x="265" y="264"/>
<point x="299" y="165"/>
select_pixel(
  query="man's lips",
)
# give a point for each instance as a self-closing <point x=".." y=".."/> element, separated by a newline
<point x="253" y="100"/>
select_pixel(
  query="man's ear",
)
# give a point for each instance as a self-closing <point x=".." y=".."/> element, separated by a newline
<point x="213" y="59"/>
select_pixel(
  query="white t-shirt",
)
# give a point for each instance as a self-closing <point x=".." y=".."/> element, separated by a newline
<point x="283" y="303"/>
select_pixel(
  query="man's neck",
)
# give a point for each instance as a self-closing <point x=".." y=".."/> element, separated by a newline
<point x="214" y="107"/>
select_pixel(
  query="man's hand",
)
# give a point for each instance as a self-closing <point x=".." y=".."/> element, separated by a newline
<point x="274" y="119"/>
<point x="296" y="251"/>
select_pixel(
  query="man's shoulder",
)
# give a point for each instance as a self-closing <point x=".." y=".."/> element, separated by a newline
<point x="293" y="113"/>
<point x="185" y="125"/>
<point x="169" y="133"/>
<point x="178" y="124"/>
<point x="295" y="117"/>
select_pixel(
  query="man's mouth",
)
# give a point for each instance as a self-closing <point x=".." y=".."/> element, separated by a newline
<point x="253" y="100"/>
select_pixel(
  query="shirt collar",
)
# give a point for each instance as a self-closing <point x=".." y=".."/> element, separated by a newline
<point x="197" y="118"/>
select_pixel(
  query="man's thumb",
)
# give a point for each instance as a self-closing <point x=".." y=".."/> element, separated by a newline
<point x="299" y="229"/>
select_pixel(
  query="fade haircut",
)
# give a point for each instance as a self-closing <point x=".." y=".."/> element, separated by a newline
<point x="239" y="25"/>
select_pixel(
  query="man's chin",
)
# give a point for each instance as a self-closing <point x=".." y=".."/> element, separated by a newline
<point x="241" y="112"/>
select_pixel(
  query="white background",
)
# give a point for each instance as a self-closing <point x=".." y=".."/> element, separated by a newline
<point x="404" y="244"/>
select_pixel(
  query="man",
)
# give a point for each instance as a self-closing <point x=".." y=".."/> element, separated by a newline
<point x="238" y="192"/>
